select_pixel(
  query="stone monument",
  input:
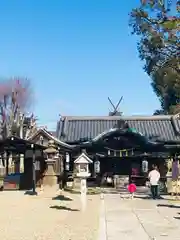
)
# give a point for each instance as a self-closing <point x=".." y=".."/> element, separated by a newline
<point x="169" y="175"/>
<point x="50" y="177"/>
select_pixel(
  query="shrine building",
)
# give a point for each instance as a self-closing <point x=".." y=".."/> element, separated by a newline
<point x="120" y="144"/>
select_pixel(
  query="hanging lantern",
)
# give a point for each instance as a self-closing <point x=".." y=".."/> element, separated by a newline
<point x="109" y="152"/>
<point x="67" y="161"/>
<point x="144" y="166"/>
<point x="97" y="166"/>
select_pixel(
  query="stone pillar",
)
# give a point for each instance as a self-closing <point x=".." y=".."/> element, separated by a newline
<point x="169" y="176"/>
<point x="50" y="177"/>
<point x="169" y="182"/>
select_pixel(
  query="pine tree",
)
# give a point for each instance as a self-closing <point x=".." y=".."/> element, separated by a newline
<point x="159" y="47"/>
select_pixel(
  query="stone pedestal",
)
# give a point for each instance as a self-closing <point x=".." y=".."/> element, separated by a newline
<point x="50" y="177"/>
<point x="121" y="181"/>
<point x="77" y="183"/>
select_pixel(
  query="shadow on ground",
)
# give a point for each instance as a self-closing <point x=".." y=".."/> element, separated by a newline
<point x="177" y="218"/>
<point x="123" y="190"/>
<point x="62" y="198"/>
<point x="30" y="192"/>
<point x="142" y="197"/>
<point x="147" y="197"/>
<point x="64" y="208"/>
<point x="168" y="205"/>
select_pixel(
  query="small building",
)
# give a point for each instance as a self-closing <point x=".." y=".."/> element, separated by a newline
<point x="16" y="162"/>
<point x="19" y="156"/>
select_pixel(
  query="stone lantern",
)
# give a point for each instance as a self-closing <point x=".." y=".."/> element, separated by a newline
<point x="82" y="167"/>
<point x="169" y="175"/>
<point x="50" y="177"/>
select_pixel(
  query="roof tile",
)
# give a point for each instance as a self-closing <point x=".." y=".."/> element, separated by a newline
<point x="154" y="127"/>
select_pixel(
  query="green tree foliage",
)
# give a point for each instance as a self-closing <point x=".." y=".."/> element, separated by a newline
<point x="157" y="24"/>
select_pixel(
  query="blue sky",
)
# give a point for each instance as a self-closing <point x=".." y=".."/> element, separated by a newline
<point x="77" y="53"/>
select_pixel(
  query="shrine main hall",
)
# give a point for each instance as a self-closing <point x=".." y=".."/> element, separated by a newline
<point x="119" y="143"/>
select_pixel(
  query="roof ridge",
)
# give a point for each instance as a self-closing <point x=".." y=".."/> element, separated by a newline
<point x="133" y="117"/>
<point x="88" y="127"/>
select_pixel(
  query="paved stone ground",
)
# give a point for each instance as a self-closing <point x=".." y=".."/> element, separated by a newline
<point x="47" y="217"/>
<point x="140" y="218"/>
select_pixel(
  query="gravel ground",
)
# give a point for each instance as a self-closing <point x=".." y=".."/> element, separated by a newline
<point x="47" y="217"/>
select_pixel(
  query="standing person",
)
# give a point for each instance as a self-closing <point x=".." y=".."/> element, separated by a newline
<point x="132" y="189"/>
<point x="154" y="177"/>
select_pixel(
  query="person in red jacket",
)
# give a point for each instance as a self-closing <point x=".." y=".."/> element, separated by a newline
<point x="132" y="189"/>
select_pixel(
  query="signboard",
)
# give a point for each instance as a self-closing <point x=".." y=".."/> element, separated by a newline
<point x="37" y="165"/>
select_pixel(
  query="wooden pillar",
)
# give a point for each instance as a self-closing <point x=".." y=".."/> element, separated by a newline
<point x="65" y="168"/>
<point x="61" y="161"/>
<point x="6" y="162"/>
<point x="34" y="169"/>
<point x="10" y="163"/>
<point x="21" y="163"/>
<point x="2" y="171"/>
<point x="1" y="162"/>
<point x="16" y="164"/>
<point x="41" y="171"/>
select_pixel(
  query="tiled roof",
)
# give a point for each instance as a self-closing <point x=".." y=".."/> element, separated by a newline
<point x="165" y="128"/>
<point x="50" y="136"/>
<point x="53" y="133"/>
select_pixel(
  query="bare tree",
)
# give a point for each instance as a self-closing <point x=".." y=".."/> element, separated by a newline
<point x="15" y="100"/>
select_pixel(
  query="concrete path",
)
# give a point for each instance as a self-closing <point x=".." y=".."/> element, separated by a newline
<point x="141" y="219"/>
